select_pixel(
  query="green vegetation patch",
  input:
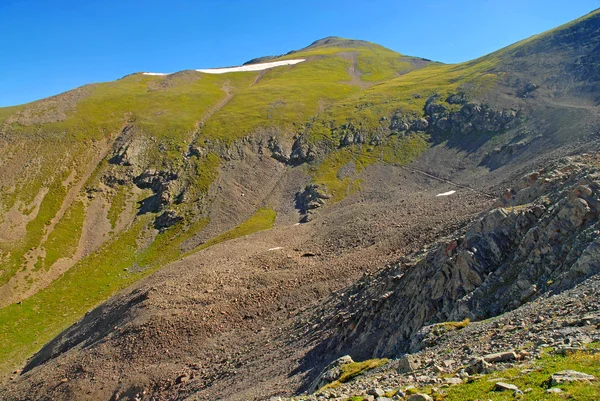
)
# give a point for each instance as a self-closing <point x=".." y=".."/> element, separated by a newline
<point x="64" y="239"/>
<point x="262" y="220"/>
<point x="166" y="247"/>
<point x="395" y="150"/>
<point x="117" y="205"/>
<point x="534" y="380"/>
<point x="26" y="327"/>
<point x="351" y="370"/>
<point x="284" y="98"/>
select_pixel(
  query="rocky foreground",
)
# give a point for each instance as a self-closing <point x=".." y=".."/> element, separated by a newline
<point x="520" y="285"/>
<point x="457" y="353"/>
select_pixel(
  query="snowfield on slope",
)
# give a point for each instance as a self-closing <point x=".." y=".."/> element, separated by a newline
<point x="242" y="68"/>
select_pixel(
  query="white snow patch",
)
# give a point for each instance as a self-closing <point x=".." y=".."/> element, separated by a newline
<point x="276" y="248"/>
<point x="242" y="68"/>
<point x="446" y="193"/>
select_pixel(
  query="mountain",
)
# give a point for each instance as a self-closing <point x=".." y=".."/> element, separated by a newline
<point x="200" y="236"/>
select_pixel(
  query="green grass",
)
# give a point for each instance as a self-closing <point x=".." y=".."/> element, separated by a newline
<point x="167" y="245"/>
<point x="117" y="205"/>
<point x="284" y="98"/>
<point x="26" y="327"/>
<point x="262" y="220"/>
<point x="36" y="228"/>
<point x="64" y="239"/>
<point x="394" y="150"/>
<point x="205" y="171"/>
<point x="351" y="370"/>
<point x="536" y="380"/>
<point x="405" y="94"/>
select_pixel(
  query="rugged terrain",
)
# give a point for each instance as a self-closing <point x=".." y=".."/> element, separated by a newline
<point x="194" y="236"/>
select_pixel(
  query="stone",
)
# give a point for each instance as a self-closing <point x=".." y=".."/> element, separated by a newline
<point x="166" y="220"/>
<point x="331" y="373"/>
<point x="453" y="381"/>
<point x="501" y="386"/>
<point x="448" y="362"/>
<point x="383" y="399"/>
<point x="377" y="392"/>
<point x="478" y="366"/>
<point x="500" y="357"/>
<point x="567" y="376"/>
<point x="554" y="390"/>
<point x="438" y="369"/>
<point x="419" y="397"/>
<point x="400" y="395"/>
<point x="407" y="364"/>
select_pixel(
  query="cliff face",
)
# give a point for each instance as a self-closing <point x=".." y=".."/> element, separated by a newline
<point x="541" y="237"/>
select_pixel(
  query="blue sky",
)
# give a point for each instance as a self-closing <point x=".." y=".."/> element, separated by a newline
<point x="50" y="46"/>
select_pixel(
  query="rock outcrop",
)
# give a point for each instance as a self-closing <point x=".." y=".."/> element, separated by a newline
<point x="542" y="236"/>
<point x="311" y="198"/>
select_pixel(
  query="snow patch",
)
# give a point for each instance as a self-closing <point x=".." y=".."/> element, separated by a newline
<point x="242" y="68"/>
<point x="447" y="193"/>
<point x="276" y="248"/>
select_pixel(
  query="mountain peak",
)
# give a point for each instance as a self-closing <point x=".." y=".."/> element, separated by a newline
<point x="336" y="41"/>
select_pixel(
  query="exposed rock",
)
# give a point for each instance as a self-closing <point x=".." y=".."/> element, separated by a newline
<point x="160" y="182"/>
<point x="277" y="152"/>
<point x="166" y="220"/>
<point x="471" y="118"/>
<point x="478" y="366"/>
<point x="406" y="364"/>
<point x="419" y="397"/>
<point x="453" y="381"/>
<point x="377" y="392"/>
<point x="313" y="197"/>
<point x="500" y="357"/>
<point x="302" y="152"/>
<point x="567" y="376"/>
<point x="505" y="252"/>
<point x="331" y="373"/>
<point x="501" y="386"/>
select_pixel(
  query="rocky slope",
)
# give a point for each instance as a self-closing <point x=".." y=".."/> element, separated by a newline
<point x="542" y="238"/>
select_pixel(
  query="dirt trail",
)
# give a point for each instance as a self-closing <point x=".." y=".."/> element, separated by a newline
<point x="229" y="92"/>
<point x="18" y="288"/>
<point x="353" y="71"/>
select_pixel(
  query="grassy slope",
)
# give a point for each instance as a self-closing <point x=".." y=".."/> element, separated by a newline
<point x="27" y="326"/>
<point x="286" y="97"/>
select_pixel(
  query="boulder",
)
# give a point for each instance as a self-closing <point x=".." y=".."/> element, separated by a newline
<point x="377" y="392"/>
<point x="501" y="386"/>
<point x="331" y="373"/>
<point x="567" y="376"/>
<point x="419" y="397"/>
<point x="478" y="366"/>
<point x="407" y="364"/>
<point x="500" y="357"/>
